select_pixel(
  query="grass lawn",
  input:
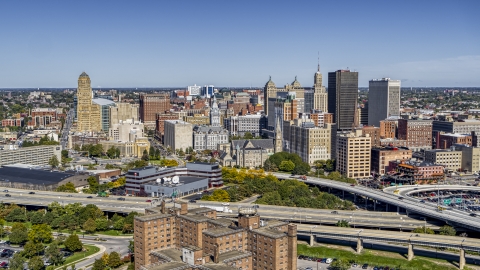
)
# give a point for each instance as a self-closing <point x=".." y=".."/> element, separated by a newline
<point x="27" y="224"/>
<point x="372" y="258"/>
<point x="113" y="233"/>
<point x="82" y="254"/>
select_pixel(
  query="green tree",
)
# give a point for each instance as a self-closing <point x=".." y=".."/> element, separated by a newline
<point x="32" y="249"/>
<point x="286" y="165"/>
<point x="301" y="168"/>
<point x="17" y="262"/>
<point x="16" y="215"/>
<point x="131" y="266"/>
<point x="340" y="264"/>
<point x="40" y="233"/>
<point x="343" y="223"/>
<point x="112" y="152"/>
<point x="53" y="161"/>
<point x="248" y="136"/>
<point x="114" y="259"/>
<point x="19" y="233"/>
<point x="36" y="217"/>
<point x="64" y="153"/>
<point x="145" y="155"/>
<point x="219" y="195"/>
<point x="151" y="152"/>
<point x="53" y="254"/>
<point x="447" y="230"/>
<point x="68" y="187"/>
<point x="101" y="224"/>
<point x="118" y="224"/>
<point x="157" y="153"/>
<point x="131" y="246"/>
<point x="90" y="226"/>
<point x="35" y="263"/>
<point x="423" y="230"/>
<point x="73" y="243"/>
<point x="99" y="264"/>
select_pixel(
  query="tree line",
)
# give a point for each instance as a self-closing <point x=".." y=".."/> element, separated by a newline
<point x="272" y="191"/>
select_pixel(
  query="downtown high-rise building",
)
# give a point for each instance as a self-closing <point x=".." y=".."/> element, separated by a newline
<point x="150" y="105"/>
<point x="88" y="113"/>
<point x="384" y="95"/>
<point x="342" y="97"/>
<point x="319" y="94"/>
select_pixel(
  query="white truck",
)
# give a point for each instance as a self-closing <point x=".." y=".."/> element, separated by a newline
<point x="223" y="209"/>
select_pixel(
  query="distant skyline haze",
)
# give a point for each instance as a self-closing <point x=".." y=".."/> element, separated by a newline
<point x="225" y="43"/>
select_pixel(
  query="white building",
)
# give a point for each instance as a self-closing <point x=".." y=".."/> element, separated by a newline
<point x="194" y="90"/>
<point x="178" y="134"/>
<point x="126" y="131"/>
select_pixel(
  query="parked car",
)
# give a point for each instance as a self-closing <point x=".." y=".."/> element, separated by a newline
<point x="90" y="197"/>
<point x="192" y="201"/>
<point x="329" y="260"/>
<point x="148" y="201"/>
<point x="8" y="195"/>
<point x="31" y="192"/>
<point x="6" y="190"/>
<point x="121" y="199"/>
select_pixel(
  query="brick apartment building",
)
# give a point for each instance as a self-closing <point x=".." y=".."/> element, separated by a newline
<point x="150" y="105"/>
<point x="417" y="133"/>
<point x="182" y="238"/>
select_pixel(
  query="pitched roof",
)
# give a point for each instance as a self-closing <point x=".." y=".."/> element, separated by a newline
<point x="261" y="143"/>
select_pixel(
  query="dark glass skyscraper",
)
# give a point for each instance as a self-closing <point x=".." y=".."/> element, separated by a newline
<point x="342" y="97"/>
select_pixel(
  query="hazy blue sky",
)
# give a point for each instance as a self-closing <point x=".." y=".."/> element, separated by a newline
<point x="237" y="43"/>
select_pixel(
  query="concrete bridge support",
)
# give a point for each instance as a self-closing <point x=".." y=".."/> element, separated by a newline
<point x="312" y="240"/>
<point x="461" y="264"/>
<point x="410" y="252"/>
<point x="359" y="245"/>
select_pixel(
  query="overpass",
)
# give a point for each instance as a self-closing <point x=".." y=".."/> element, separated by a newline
<point x="451" y="217"/>
<point x="401" y="238"/>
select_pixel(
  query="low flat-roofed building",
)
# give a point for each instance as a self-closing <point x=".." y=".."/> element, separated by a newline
<point x="34" y="177"/>
<point x="167" y="186"/>
<point x="137" y="177"/>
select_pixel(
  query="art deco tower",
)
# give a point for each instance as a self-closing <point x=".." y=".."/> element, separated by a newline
<point x="87" y="113"/>
<point x="319" y="93"/>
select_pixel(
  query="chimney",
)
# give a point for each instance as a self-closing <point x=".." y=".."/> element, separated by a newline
<point x="162" y="207"/>
<point x="183" y="208"/>
<point x="216" y="253"/>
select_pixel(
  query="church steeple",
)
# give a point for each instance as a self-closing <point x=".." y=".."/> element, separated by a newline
<point x="318" y="80"/>
<point x="214" y="113"/>
<point x="278" y="141"/>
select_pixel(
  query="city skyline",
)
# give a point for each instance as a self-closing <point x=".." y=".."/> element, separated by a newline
<point x="176" y="44"/>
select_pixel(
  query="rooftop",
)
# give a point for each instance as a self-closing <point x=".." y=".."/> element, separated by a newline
<point x="220" y="232"/>
<point x="152" y="217"/>
<point x="169" y="266"/>
<point x="103" y="101"/>
<point x="271" y="233"/>
<point x="233" y="255"/>
<point x="31" y="176"/>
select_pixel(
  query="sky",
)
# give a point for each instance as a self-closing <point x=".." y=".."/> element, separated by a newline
<point x="237" y="43"/>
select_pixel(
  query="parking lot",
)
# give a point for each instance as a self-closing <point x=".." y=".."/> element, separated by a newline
<point x="311" y="263"/>
<point x="461" y="200"/>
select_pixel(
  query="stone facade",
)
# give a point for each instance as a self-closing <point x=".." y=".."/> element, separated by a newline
<point x="88" y="113"/>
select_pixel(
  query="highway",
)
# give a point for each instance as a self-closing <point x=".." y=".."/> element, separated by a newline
<point x="316" y="216"/>
<point x="452" y="217"/>
<point x="44" y="198"/>
<point x="429" y="240"/>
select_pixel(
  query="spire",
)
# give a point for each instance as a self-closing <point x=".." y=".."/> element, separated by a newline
<point x="318" y="69"/>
